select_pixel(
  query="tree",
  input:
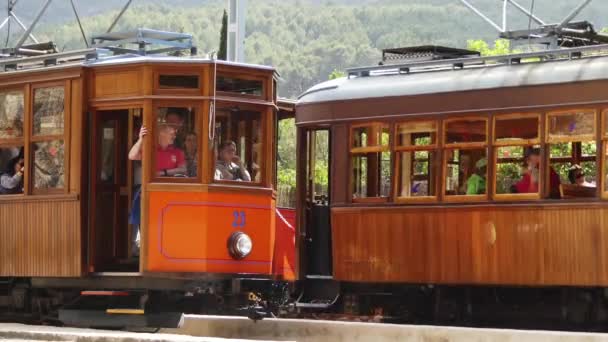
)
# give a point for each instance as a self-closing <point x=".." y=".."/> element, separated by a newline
<point x="501" y="47"/>
<point x="222" y="52"/>
<point x="337" y="74"/>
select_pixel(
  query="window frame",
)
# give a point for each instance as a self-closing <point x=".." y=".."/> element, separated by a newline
<point x="432" y="148"/>
<point x="199" y="123"/>
<point x="463" y="146"/>
<point x="496" y="145"/>
<point x="361" y="151"/>
<point x="575" y="138"/>
<point x="33" y="139"/>
<point x="602" y="150"/>
<point x="265" y="120"/>
<point x="242" y="76"/>
<point x="178" y="72"/>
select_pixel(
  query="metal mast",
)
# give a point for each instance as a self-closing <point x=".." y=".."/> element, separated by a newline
<point x="236" y="30"/>
<point x="563" y="34"/>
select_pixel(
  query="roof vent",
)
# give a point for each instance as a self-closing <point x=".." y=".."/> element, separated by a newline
<point x="423" y="53"/>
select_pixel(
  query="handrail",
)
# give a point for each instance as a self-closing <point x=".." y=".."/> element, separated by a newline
<point x="460" y="63"/>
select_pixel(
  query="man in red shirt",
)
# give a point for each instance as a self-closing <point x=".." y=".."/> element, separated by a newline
<point x="170" y="160"/>
<point x="529" y="181"/>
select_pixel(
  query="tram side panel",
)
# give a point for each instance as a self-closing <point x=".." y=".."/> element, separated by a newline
<point x="533" y="246"/>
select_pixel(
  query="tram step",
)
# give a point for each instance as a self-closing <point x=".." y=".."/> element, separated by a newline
<point x="319" y="293"/>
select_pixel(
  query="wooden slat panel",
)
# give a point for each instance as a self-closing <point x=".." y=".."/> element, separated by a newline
<point x="117" y="83"/>
<point x="489" y="245"/>
<point x="40" y="238"/>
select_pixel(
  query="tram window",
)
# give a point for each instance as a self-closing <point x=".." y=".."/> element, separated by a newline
<point x="464" y="131"/>
<point x="416" y="173"/>
<point x="238" y="145"/>
<point x="240" y="86"/>
<point x="416" y="134"/>
<point x="575" y="162"/>
<point x="518" y="170"/>
<point x="466" y="172"/>
<point x="12" y="170"/>
<point x="11" y="114"/>
<point x="178" y="82"/>
<point x="176" y="143"/>
<point x="371" y="175"/>
<point x="571" y="125"/>
<point x="517" y="129"/>
<point x="373" y="135"/>
<point x="49" y="164"/>
<point x="48" y="111"/>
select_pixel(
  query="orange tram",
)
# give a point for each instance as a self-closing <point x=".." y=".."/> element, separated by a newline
<point x="464" y="190"/>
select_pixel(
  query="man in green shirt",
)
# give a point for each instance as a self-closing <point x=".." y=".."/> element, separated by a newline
<point x="476" y="184"/>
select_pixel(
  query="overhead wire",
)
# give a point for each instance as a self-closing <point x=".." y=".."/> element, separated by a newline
<point x="9" y="4"/>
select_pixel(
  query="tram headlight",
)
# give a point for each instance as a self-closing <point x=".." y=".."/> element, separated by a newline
<point x="239" y="245"/>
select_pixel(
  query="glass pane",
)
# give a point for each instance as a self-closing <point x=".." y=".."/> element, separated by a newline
<point x="571" y="124"/>
<point x="369" y="136"/>
<point x="416" y="134"/>
<point x="49" y="111"/>
<point x="107" y="162"/>
<point x="321" y="176"/>
<point x="238" y="145"/>
<point x="11" y="114"/>
<point x="509" y="168"/>
<point x="49" y="164"/>
<point x="466" y="172"/>
<point x="178" y="81"/>
<point x="176" y="142"/>
<point x="588" y="148"/>
<point x="286" y="163"/>
<point x="561" y="150"/>
<point x="514" y="129"/>
<point x="11" y="170"/>
<point x="465" y="131"/>
<point x="416" y="174"/>
<point x="239" y="86"/>
<point x="371" y="175"/>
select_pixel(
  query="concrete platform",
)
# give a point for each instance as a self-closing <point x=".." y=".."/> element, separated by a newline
<point x="22" y="333"/>
<point x="317" y="331"/>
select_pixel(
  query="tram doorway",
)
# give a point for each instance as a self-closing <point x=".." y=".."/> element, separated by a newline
<point x="317" y="213"/>
<point x="111" y="191"/>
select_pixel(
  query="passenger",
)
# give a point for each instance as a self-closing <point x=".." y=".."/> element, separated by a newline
<point x="191" y="149"/>
<point x="576" y="175"/>
<point x="170" y="160"/>
<point x="529" y="181"/>
<point x="135" y="215"/>
<point x="229" y="166"/>
<point x="476" y="184"/>
<point x="11" y="180"/>
<point x="176" y="120"/>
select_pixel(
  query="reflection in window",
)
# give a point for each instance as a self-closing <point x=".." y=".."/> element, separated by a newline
<point x="517" y="129"/>
<point x="49" y="164"/>
<point x="12" y="170"/>
<point x="11" y="114"/>
<point x="48" y="111"/>
<point x="176" y="142"/>
<point x="564" y="125"/>
<point x="178" y="81"/>
<point x="371" y="174"/>
<point x="240" y="86"/>
<point x="416" y="174"/>
<point x="466" y="172"/>
<point x="238" y="145"/>
<point x="465" y="131"/>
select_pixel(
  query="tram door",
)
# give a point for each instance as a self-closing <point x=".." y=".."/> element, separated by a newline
<point x="318" y="228"/>
<point x="109" y="238"/>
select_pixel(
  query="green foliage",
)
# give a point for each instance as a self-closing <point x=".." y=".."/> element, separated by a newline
<point x="222" y="53"/>
<point x="337" y="74"/>
<point x="286" y="156"/>
<point x="501" y="47"/>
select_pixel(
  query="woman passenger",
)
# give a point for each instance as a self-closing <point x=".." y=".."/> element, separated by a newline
<point x="11" y="181"/>
<point x="230" y="166"/>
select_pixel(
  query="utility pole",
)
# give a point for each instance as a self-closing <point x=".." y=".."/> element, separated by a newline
<point x="237" y="16"/>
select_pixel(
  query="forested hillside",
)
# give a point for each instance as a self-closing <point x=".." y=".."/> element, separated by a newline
<point x="305" y="39"/>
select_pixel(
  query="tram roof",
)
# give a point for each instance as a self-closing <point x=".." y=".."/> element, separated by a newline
<point x="447" y="79"/>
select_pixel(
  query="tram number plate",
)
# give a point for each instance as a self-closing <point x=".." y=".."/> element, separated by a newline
<point x="240" y="219"/>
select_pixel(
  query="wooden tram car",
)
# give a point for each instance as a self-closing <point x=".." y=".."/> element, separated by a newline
<point x="402" y="232"/>
<point x="73" y="120"/>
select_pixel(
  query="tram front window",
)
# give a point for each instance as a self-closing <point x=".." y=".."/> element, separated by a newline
<point x="238" y="146"/>
<point x="176" y="143"/>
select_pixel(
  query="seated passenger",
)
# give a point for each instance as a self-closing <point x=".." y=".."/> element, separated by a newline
<point x="576" y="175"/>
<point x="476" y="184"/>
<point x="191" y="150"/>
<point x="229" y="166"/>
<point x="529" y="181"/>
<point x="11" y="180"/>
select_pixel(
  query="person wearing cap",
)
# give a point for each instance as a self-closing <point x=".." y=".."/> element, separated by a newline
<point x="530" y="180"/>
<point x="576" y="176"/>
<point x="476" y="184"/>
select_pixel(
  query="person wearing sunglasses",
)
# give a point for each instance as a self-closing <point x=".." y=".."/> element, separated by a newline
<point x="576" y="175"/>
